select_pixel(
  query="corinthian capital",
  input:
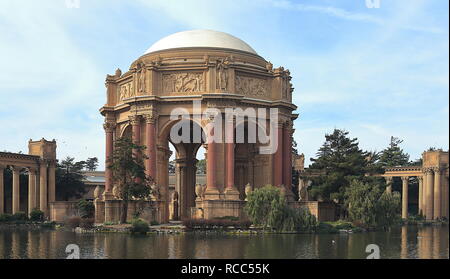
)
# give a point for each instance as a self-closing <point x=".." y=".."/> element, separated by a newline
<point x="437" y="170"/>
<point x="151" y="117"/>
<point x="428" y="170"/>
<point x="109" y="126"/>
<point x="134" y="119"/>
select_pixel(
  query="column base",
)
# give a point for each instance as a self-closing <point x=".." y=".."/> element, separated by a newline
<point x="232" y="194"/>
<point x="212" y="194"/>
<point x="107" y="196"/>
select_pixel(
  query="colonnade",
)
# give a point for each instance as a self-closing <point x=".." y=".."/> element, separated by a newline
<point x="433" y="193"/>
<point x="281" y="159"/>
<point x="41" y="186"/>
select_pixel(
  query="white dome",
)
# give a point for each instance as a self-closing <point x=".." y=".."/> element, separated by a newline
<point x="200" y="38"/>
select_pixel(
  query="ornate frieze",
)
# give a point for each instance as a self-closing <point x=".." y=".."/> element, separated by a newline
<point x="251" y="86"/>
<point x="183" y="82"/>
<point x="126" y="91"/>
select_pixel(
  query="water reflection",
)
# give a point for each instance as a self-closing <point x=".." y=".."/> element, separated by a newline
<point x="406" y="242"/>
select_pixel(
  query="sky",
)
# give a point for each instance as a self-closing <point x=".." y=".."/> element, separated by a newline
<point x="375" y="72"/>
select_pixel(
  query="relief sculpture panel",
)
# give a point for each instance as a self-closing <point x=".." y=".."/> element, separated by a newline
<point x="183" y="83"/>
<point x="126" y="91"/>
<point x="252" y="87"/>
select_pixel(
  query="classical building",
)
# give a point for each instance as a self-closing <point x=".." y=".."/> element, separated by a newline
<point x="198" y="73"/>
<point x="39" y="165"/>
<point x="433" y="184"/>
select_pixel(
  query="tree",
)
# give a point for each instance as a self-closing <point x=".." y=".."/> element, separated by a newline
<point x="129" y="176"/>
<point x="267" y="207"/>
<point x="92" y="164"/>
<point x="338" y="161"/>
<point x="388" y="209"/>
<point x="69" y="179"/>
<point x="393" y="155"/>
<point x="201" y="166"/>
<point x="369" y="205"/>
<point x="361" y="202"/>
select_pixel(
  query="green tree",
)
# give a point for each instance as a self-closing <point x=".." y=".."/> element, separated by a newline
<point x="201" y="166"/>
<point x="369" y="205"/>
<point x="69" y="179"/>
<point x="260" y="204"/>
<point x="338" y="161"/>
<point x="361" y="202"/>
<point x="268" y="208"/>
<point x="92" y="164"/>
<point x="129" y="173"/>
<point x="393" y="155"/>
<point x="388" y="210"/>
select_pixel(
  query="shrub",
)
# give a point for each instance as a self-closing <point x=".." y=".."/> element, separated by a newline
<point x="48" y="225"/>
<point x="326" y="228"/>
<point x="5" y="218"/>
<point x="154" y="223"/>
<point x="36" y="215"/>
<point x="20" y="216"/>
<point x="86" y="208"/>
<point x="202" y="224"/>
<point x="73" y="222"/>
<point x="139" y="226"/>
<point x="87" y="223"/>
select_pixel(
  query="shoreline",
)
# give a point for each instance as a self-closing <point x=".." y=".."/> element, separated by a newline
<point x="180" y="229"/>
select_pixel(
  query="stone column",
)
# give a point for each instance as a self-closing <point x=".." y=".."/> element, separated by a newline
<point x="437" y="194"/>
<point x="287" y="156"/>
<point x="231" y="193"/>
<point x="278" y="156"/>
<point x="52" y="182"/>
<point x="429" y="198"/>
<point x="109" y="132"/>
<point x="136" y="137"/>
<point x="150" y="120"/>
<point x="405" y="180"/>
<point x="389" y="184"/>
<point x="43" y="187"/>
<point x="2" y="190"/>
<point x="445" y="195"/>
<point x="31" y="189"/>
<point x="211" y="191"/>
<point x="15" y="189"/>
<point x="420" y="178"/>
<point x="135" y="121"/>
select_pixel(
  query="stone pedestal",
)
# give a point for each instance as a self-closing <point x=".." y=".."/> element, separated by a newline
<point x="231" y="194"/>
<point x="99" y="211"/>
<point x="220" y="208"/>
<point x="112" y="210"/>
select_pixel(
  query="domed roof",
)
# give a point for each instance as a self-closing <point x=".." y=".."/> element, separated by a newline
<point x="200" y="38"/>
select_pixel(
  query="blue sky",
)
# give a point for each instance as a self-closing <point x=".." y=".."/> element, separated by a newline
<point x="374" y="72"/>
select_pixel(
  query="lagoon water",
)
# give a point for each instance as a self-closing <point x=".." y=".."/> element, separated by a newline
<point x="407" y="242"/>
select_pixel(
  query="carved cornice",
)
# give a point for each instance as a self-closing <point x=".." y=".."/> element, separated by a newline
<point x="18" y="156"/>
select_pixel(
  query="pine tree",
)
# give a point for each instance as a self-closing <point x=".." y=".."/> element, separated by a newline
<point x="338" y="160"/>
<point x="393" y="155"/>
<point x="129" y="173"/>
